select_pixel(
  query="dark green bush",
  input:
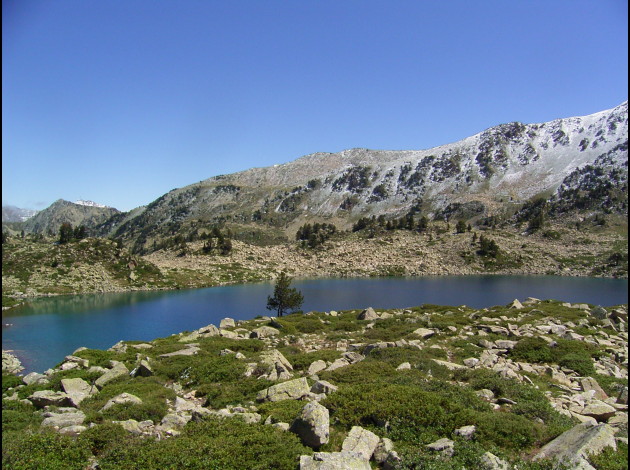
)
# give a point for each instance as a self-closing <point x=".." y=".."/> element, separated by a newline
<point x="533" y="349"/>
<point x="226" y="444"/>
<point x="47" y="449"/>
<point x="17" y="416"/>
<point x="580" y="363"/>
<point x="10" y="381"/>
<point x="611" y="459"/>
<point x="104" y="436"/>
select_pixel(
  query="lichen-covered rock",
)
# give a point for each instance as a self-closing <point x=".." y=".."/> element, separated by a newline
<point x="316" y="367"/>
<point x="573" y="446"/>
<point x="322" y="386"/>
<point x="368" y="314"/>
<point x="227" y="323"/>
<point x="290" y="390"/>
<point x="143" y="369"/>
<point x="489" y="461"/>
<point x="11" y="363"/>
<point x="264" y="332"/>
<point x="424" y="333"/>
<point x="277" y="366"/>
<point x="61" y="420"/>
<point x="333" y="461"/>
<point x="123" y="398"/>
<point x="313" y="425"/>
<point x="360" y="441"/>
<point x="35" y="378"/>
<point x="44" y="398"/>
<point x="118" y="370"/>
<point x="78" y="390"/>
<point x="589" y="383"/>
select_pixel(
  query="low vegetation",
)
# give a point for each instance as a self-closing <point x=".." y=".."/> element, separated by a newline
<point x="413" y="376"/>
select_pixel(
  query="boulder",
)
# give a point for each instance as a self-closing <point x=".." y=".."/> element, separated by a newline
<point x="599" y="312"/>
<point x="341" y="362"/>
<point x="277" y="366"/>
<point x="360" y="441"/>
<point x="143" y="369"/>
<point x="404" y="366"/>
<point x="44" y="398"/>
<point x="589" y="383"/>
<point x="63" y="420"/>
<point x="316" y="367"/>
<point x="623" y="396"/>
<point x="264" y="332"/>
<point x="444" y="445"/>
<point x="516" y="304"/>
<point x="424" y="333"/>
<point x="77" y="389"/>
<point x="208" y="331"/>
<point x="449" y="365"/>
<point x="35" y="378"/>
<point x="290" y="390"/>
<point x="384" y="451"/>
<point x="227" y="323"/>
<point x="333" y="461"/>
<point x="368" y="314"/>
<point x="466" y="431"/>
<point x="573" y="446"/>
<point x="11" y="363"/>
<point x="489" y="461"/>
<point x="313" y="425"/>
<point x="322" y="386"/>
<point x="599" y="410"/>
<point x="118" y="370"/>
<point x="122" y="399"/>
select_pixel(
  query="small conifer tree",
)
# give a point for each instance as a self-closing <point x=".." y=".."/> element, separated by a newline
<point x="284" y="298"/>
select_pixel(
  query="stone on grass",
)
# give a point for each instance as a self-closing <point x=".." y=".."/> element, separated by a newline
<point x="424" y="333"/>
<point x="445" y="446"/>
<point x="466" y="431"/>
<point x="489" y="461"/>
<point x="360" y="441"/>
<point x="35" y="378"/>
<point x="333" y="461"/>
<point x="122" y="399"/>
<point x="264" y="332"/>
<point x="118" y="370"/>
<point x="78" y="390"/>
<point x="404" y="366"/>
<point x="589" y="383"/>
<point x="63" y="420"/>
<point x="368" y="314"/>
<point x="44" y="398"/>
<point x="227" y="323"/>
<point x="316" y="367"/>
<point x="143" y="369"/>
<point x="313" y="425"/>
<point x="322" y="386"/>
<point x="573" y="446"/>
<point x="290" y="390"/>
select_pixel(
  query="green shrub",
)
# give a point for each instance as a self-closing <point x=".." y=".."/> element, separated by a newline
<point x="611" y="459"/>
<point x="149" y="389"/>
<point x="281" y="411"/>
<point x="102" y="437"/>
<point x="10" y="381"/>
<point x="17" y="416"/>
<point x="533" y="349"/>
<point x="47" y="449"/>
<point x="213" y="443"/>
<point x="580" y="363"/>
<point x="218" y="395"/>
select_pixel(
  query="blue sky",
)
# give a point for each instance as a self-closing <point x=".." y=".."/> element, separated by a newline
<point x="121" y="101"/>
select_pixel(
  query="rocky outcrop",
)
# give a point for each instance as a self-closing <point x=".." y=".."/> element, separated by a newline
<point x="10" y="363"/>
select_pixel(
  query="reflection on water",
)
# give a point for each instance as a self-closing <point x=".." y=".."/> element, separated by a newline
<point x="45" y="330"/>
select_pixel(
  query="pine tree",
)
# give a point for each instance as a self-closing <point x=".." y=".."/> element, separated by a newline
<point x="65" y="233"/>
<point x="284" y="298"/>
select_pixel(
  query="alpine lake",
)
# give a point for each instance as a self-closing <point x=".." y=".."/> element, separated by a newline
<point x="45" y="330"/>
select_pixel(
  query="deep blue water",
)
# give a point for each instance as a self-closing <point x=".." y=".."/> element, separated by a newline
<point x="44" y="331"/>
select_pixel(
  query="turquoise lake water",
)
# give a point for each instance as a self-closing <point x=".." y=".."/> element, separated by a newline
<point x="42" y="332"/>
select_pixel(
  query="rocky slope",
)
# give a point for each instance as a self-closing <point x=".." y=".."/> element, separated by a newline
<point x="494" y="172"/>
<point x="61" y="211"/>
<point x="526" y="386"/>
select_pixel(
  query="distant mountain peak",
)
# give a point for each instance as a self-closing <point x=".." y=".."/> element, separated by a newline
<point x="82" y="202"/>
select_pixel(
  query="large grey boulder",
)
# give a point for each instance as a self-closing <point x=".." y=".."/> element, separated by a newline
<point x="489" y="461"/>
<point x="277" y="366"/>
<point x="573" y="446"/>
<point x="143" y="369"/>
<point x="264" y="332"/>
<point x="333" y="461"/>
<point x="35" y="378"/>
<point x="424" y="333"/>
<point x="323" y="386"/>
<point x="360" y="441"/>
<point x="368" y="314"/>
<point x="227" y="323"/>
<point x="78" y="390"/>
<point x="63" y="419"/>
<point x="313" y="425"/>
<point x="444" y="446"/>
<point x="118" y="370"/>
<point x="122" y="399"/>
<point x="11" y="363"/>
<point x="44" y="398"/>
<point x="208" y="331"/>
<point x="316" y="367"/>
<point x="589" y="383"/>
<point x="290" y="390"/>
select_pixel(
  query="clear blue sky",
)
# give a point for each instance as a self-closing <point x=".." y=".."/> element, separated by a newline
<point x="121" y="101"/>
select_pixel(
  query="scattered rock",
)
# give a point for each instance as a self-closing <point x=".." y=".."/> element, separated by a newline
<point x="264" y="332"/>
<point x="122" y="399"/>
<point x="316" y="367"/>
<point x="227" y="323"/>
<point x="118" y="370"/>
<point x="444" y="445"/>
<point x="313" y="425"/>
<point x="368" y="314"/>
<point x="360" y="441"/>
<point x="290" y="390"/>
<point x="44" y="398"/>
<point x="333" y="461"/>
<point x="573" y="446"/>
<point x="489" y="461"/>
<point x="466" y="431"/>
